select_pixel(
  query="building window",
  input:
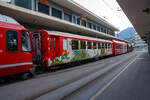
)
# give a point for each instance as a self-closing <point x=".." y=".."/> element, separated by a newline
<point x="107" y="31"/>
<point x="7" y="1"/>
<point x="94" y="27"/>
<point x="56" y="13"/>
<point x="43" y="8"/>
<point x="90" y="25"/>
<point x="24" y="3"/>
<point x="25" y="42"/>
<point x="78" y="21"/>
<point x="12" y="41"/>
<point x="74" y="20"/>
<point x="67" y="17"/>
<point x="104" y="30"/>
<point x="98" y="28"/>
<point x="83" y="23"/>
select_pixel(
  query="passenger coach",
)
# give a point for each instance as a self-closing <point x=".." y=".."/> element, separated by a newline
<point x="53" y="48"/>
<point x="119" y="47"/>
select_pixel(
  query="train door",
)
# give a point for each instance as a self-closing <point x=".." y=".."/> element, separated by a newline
<point x="37" y="53"/>
<point x="53" y="47"/>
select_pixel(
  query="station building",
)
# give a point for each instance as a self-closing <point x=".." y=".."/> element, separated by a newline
<point x="60" y="15"/>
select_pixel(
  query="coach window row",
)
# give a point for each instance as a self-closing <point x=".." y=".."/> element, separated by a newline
<point x="90" y="45"/>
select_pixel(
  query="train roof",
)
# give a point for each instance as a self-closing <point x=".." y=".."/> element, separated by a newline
<point x="119" y="42"/>
<point x="76" y="36"/>
<point x="8" y="22"/>
<point x="7" y="19"/>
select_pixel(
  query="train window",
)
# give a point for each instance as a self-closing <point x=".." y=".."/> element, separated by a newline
<point x="83" y="44"/>
<point x="65" y="44"/>
<point x="107" y="46"/>
<point x="99" y="45"/>
<point x="75" y="44"/>
<point x="12" y="41"/>
<point x="118" y="46"/>
<point x="125" y="47"/>
<point x="110" y="46"/>
<point x="94" y="45"/>
<point x="25" y="42"/>
<point x="103" y="45"/>
<point x="89" y="45"/>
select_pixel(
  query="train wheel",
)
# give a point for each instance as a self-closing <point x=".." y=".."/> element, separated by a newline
<point x="2" y="80"/>
<point x="24" y="76"/>
<point x="32" y="72"/>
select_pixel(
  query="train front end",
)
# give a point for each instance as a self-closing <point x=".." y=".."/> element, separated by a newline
<point x="15" y="48"/>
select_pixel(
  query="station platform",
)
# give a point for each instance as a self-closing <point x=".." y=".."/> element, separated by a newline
<point x="133" y="84"/>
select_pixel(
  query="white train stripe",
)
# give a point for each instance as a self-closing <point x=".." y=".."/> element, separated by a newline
<point x="13" y="65"/>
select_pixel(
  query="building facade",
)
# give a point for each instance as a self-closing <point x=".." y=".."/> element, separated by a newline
<point x="51" y="8"/>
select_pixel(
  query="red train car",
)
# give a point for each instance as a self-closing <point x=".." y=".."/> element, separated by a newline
<point x="52" y="48"/>
<point x="130" y="47"/>
<point x="119" y="47"/>
<point x="15" y="50"/>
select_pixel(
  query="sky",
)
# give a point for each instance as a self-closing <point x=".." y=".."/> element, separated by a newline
<point x="108" y="10"/>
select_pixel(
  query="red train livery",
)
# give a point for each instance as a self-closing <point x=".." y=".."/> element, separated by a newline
<point x="53" y="48"/>
<point x="119" y="47"/>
